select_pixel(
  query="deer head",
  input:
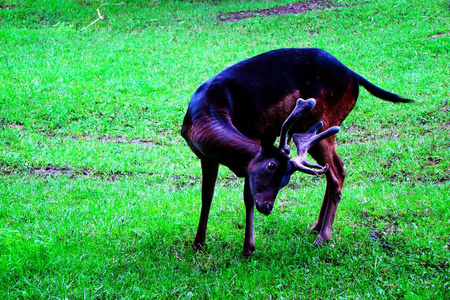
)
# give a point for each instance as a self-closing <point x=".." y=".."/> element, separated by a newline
<point x="272" y="168"/>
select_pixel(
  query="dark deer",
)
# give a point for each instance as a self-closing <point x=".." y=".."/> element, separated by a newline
<point x="232" y="119"/>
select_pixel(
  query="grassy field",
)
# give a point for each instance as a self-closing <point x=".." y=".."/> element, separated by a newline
<point x="100" y="195"/>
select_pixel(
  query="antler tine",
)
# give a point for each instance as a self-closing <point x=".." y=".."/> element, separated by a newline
<point x="306" y="140"/>
<point x="301" y="107"/>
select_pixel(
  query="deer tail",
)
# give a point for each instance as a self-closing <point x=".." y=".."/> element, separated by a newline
<point x="380" y="93"/>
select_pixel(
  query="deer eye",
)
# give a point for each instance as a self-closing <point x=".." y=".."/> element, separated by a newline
<point x="271" y="166"/>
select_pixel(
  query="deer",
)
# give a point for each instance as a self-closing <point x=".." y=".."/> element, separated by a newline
<point x="233" y="119"/>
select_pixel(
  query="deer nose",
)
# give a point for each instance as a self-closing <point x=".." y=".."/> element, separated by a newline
<point x="264" y="208"/>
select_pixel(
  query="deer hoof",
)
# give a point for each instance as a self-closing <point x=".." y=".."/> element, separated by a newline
<point x="199" y="247"/>
<point x="248" y="251"/>
<point x="320" y="242"/>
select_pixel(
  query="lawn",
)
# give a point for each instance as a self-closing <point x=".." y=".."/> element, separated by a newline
<point x="100" y="195"/>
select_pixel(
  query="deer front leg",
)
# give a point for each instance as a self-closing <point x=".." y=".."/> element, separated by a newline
<point x="209" y="176"/>
<point x="249" y="239"/>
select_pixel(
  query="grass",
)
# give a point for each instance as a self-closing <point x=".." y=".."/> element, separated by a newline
<point x="100" y="196"/>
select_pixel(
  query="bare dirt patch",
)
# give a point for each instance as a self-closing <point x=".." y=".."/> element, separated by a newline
<point x="58" y="171"/>
<point x="438" y="35"/>
<point x="296" y="8"/>
<point x="11" y="125"/>
<point x="53" y="171"/>
<point x="74" y="173"/>
<point x="107" y="139"/>
<point x="121" y="140"/>
<point x="7" y="7"/>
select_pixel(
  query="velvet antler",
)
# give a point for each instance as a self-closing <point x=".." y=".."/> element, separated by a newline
<point x="306" y="140"/>
<point x="301" y="107"/>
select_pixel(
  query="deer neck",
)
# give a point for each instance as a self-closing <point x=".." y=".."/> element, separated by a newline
<point x="217" y="139"/>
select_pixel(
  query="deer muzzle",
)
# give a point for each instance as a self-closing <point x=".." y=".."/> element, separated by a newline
<point x="264" y="207"/>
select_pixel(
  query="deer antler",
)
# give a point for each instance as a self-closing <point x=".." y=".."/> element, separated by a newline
<point x="306" y="140"/>
<point x="301" y="107"/>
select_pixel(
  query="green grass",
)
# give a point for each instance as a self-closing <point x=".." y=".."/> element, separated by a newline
<point x="115" y="212"/>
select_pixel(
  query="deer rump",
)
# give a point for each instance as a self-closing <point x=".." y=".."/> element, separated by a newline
<point x="234" y="117"/>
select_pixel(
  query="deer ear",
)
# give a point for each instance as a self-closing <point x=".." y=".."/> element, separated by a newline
<point x="268" y="137"/>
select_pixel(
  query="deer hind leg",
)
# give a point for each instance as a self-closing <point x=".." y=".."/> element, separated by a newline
<point x="318" y="224"/>
<point x="325" y="153"/>
<point x="209" y="174"/>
